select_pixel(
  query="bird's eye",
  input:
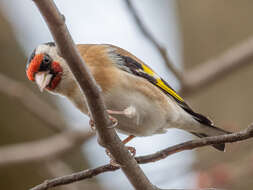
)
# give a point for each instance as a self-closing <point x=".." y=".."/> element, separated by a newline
<point x="46" y="60"/>
<point x="45" y="64"/>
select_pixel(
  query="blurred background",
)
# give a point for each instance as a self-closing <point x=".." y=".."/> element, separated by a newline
<point x="193" y="33"/>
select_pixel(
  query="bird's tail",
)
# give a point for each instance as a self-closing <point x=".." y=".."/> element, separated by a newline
<point x="212" y="131"/>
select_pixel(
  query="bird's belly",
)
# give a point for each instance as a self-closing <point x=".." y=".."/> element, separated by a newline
<point x="148" y="117"/>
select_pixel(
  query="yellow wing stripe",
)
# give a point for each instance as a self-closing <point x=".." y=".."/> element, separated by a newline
<point x="148" y="70"/>
<point x="161" y="84"/>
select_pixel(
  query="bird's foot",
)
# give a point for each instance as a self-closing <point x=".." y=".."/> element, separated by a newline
<point x="113" y="162"/>
<point x="93" y="126"/>
<point x="132" y="150"/>
<point x="114" y="122"/>
<point x="91" y="123"/>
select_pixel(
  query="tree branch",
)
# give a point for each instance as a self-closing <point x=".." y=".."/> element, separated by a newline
<point x="57" y="167"/>
<point x="107" y="135"/>
<point x="189" y="145"/>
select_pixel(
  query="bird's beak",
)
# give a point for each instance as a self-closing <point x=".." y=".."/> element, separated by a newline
<point x="43" y="79"/>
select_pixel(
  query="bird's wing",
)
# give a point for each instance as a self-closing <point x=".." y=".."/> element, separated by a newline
<point x="133" y="65"/>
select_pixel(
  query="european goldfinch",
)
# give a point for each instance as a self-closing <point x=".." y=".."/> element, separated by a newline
<point x="141" y="101"/>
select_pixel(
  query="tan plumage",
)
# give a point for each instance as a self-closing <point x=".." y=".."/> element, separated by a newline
<point x="126" y="82"/>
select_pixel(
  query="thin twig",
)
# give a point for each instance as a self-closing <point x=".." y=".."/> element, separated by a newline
<point x="55" y="168"/>
<point x="107" y="135"/>
<point x="162" y="50"/>
<point x="189" y="145"/>
<point x="75" y="177"/>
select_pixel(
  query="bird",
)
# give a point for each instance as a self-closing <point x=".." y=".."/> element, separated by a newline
<point x="140" y="102"/>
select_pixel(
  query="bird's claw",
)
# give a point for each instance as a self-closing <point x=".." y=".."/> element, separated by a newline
<point x="114" y="122"/>
<point x="93" y="126"/>
<point x="113" y="162"/>
<point x="91" y="122"/>
<point x="132" y="150"/>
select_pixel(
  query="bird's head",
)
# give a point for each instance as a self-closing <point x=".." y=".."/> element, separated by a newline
<point x="46" y="67"/>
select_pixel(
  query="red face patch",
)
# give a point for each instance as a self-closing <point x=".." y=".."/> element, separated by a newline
<point x="57" y="78"/>
<point x="34" y="66"/>
<point x="55" y="69"/>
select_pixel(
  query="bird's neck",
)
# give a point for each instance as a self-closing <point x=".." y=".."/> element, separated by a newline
<point x="70" y="89"/>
